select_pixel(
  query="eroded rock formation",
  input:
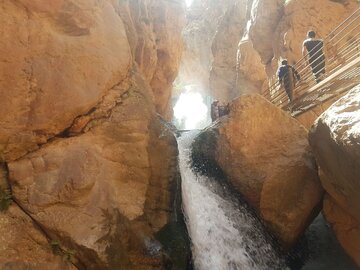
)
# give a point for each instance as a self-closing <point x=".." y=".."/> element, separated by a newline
<point x="203" y="19"/>
<point x="265" y="154"/>
<point x="300" y="16"/>
<point x="335" y="139"/>
<point x="38" y="37"/>
<point x="224" y="49"/>
<point x="271" y="30"/>
<point x="88" y="157"/>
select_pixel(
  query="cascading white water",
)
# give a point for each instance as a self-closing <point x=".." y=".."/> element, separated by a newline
<point x="224" y="234"/>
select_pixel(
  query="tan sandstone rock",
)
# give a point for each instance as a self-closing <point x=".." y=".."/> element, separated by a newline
<point x="335" y="139"/>
<point x="346" y="227"/>
<point x="265" y="15"/>
<point x="73" y="40"/>
<point x="154" y="33"/>
<point x="224" y="49"/>
<point x="265" y="154"/>
<point x="23" y="246"/>
<point x="139" y="28"/>
<point x="300" y="16"/>
<point x="250" y="71"/>
<point x="168" y="20"/>
<point x="101" y="193"/>
<point x="308" y="118"/>
<point x="202" y="20"/>
<point x="88" y="157"/>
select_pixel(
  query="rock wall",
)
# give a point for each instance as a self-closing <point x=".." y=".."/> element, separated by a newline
<point x="252" y="36"/>
<point x="224" y="49"/>
<point x="335" y="139"/>
<point x="300" y="16"/>
<point x="86" y="155"/>
<point x="202" y="20"/>
<point x="154" y="31"/>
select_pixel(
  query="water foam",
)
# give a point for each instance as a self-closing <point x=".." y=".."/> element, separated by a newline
<point x="224" y="234"/>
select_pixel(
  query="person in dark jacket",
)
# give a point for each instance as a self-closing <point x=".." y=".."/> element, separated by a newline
<point x="224" y="109"/>
<point x="288" y="77"/>
<point x="314" y="55"/>
<point x="214" y="110"/>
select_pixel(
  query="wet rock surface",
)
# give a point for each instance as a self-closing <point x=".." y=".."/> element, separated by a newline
<point x="266" y="156"/>
<point x="323" y="249"/>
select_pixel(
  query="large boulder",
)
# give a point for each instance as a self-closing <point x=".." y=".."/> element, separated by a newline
<point x="102" y="193"/>
<point x="266" y="156"/>
<point x="335" y="139"/>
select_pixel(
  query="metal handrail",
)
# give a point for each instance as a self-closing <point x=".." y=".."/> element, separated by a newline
<point x="330" y="37"/>
<point x="346" y="52"/>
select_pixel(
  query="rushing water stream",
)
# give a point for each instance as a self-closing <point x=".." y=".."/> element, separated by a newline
<point x="224" y="234"/>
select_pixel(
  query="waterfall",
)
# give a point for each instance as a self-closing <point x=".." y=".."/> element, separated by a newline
<point x="224" y="234"/>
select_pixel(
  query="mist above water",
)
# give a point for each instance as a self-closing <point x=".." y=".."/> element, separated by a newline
<point x="191" y="111"/>
<point x="189" y="2"/>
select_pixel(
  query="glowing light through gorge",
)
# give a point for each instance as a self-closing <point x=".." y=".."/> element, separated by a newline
<point x="189" y="2"/>
<point x="190" y="111"/>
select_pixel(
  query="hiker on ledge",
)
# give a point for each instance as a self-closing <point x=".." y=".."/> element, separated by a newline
<point x="214" y="110"/>
<point x="288" y="77"/>
<point x="314" y="55"/>
<point x="218" y="110"/>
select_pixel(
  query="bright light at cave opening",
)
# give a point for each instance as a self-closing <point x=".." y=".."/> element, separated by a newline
<point x="190" y="110"/>
<point x="188" y="2"/>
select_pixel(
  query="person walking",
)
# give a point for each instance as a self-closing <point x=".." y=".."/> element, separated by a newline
<point x="214" y="110"/>
<point x="314" y="55"/>
<point x="288" y="77"/>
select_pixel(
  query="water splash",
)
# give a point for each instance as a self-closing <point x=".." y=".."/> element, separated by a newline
<point x="224" y="234"/>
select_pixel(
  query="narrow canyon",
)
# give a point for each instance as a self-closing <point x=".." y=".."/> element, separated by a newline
<point x="158" y="135"/>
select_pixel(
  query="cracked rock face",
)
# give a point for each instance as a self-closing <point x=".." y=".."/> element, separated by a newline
<point x="88" y="157"/>
<point x="335" y="139"/>
<point x="224" y="49"/>
<point x="97" y="192"/>
<point x="58" y="59"/>
<point x="154" y="32"/>
<point x="22" y="246"/>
